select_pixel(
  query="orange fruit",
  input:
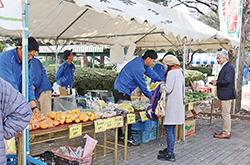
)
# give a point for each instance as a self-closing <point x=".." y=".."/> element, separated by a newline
<point x="77" y="120"/>
<point x="62" y="121"/>
<point x="55" y="123"/>
<point x="68" y="121"/>
<point x="81" y="117"/>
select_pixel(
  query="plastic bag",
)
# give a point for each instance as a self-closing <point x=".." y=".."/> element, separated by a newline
<point x="89" y="145"/>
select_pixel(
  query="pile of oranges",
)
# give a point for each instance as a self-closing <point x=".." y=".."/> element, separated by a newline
<point x="59" y="117"/>
<point x="72" y="116"/>
<point x="40" y="121"/>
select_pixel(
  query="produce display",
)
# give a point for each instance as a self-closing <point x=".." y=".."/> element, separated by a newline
<point x="97" y="109"/>
<point x="196" y="96"/>
<point x="59" y="117"/>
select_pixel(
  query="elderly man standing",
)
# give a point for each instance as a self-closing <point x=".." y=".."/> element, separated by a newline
<point x="225" y="92"/>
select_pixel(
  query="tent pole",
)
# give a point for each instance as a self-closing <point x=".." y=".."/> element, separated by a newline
<point x="56" y="54"/>
<point x="144" y="36"/>
<point x="46" y="18"/>
<point x="163" y="35"/>
<point x="184" y="62"/>
<point x="25" y="90"/>
<point x="71" y="24"/>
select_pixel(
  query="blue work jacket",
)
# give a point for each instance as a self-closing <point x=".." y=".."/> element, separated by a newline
<point x="39" y="77"/>
<point x="132" y="76"/>
<point x="65" y="74"/>
<point x="159" y="69"/>
<point x="11" y="71"/>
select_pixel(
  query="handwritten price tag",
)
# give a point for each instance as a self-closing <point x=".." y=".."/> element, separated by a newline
<point x="119" y="121"/>
<point x="143" y="116"/>
<point x="75" y="130"/>
<point x="100" y="126"/>
<point x="131" y="118"/>
<point x="110" y="123"/>
<point x="190" y="106"/>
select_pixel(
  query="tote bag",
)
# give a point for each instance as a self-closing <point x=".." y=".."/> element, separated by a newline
<point x="160" y="108"/>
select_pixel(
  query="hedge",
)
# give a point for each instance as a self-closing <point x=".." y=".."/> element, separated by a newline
<point x="88" y="79"/>
<point x="203" y="69"/>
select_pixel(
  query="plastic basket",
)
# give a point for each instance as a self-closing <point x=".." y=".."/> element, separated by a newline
<point x="13" y="160"/>
<point x="144" y="126"/>
<point x="65" y="160"/>
<point x="144" y="136"/>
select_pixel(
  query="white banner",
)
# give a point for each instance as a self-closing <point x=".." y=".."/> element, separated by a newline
<point x="11" y="14"/>
<point x="229" y="13"/>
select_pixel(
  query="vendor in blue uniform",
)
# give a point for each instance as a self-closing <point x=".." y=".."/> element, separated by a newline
<point x="159" y="68"/>
<point x="41" y="86"/>
<point x="131" y="77"/>
<point x="11" y="69"/>
<point x="65" y="74"/>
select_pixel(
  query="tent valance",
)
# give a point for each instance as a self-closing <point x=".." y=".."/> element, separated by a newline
<point x="108" y="22"/>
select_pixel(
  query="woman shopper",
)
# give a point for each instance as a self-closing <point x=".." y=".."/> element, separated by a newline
<point x="174" y="109"/>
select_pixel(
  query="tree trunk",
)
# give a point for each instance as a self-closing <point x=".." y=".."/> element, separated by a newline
<point x="102" y="62"/>
<point x="245" y="26"/>
<point x="85" y="59"/>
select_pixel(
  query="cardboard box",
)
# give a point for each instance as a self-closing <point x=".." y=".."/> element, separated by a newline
<point x="189" y="128"/>
<point x="138" y="97"/>
<point x="188" y="114"/>
<point x="63" y="91"/>
<point x="196" y="110"/>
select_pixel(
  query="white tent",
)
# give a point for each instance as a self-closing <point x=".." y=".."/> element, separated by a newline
<point x="107" y="22"/>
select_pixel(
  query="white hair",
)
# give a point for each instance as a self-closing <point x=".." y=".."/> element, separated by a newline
<point x="223" y="53"/>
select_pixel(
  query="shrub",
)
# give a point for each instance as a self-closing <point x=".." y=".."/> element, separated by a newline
<point x="203" y="69"/>
<point x="88" y="79"/>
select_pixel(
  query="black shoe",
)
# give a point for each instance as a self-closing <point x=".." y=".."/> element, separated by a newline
<point x="120" y="138"/>
<point x="163" y="152"/>
<point x="132" y="142"/>
<point x="167" y="157"/>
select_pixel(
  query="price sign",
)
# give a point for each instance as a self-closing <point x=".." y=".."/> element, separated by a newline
<point x="190" y="106"/>
<point x="100" y="126"/>
<point x="131" y="118"/>
<point x="143" y="116"/>
<point x="75" y="130"/>
<point x="119" y="121"/>
<point x="110" y="123"/>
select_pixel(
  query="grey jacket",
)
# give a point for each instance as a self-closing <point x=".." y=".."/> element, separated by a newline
<point x="15" y="108"/>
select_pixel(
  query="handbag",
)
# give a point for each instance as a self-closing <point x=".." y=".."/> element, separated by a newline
<point x="160" y="108"/>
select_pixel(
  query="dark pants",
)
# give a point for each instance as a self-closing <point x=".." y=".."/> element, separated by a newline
<point x="121" y="96"/>
<point x="170" y="135"/>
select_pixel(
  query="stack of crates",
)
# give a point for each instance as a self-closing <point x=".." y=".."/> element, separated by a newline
<point x="143" y="132"/>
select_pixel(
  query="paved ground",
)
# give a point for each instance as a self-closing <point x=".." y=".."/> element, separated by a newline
<point x="200" y="149"/>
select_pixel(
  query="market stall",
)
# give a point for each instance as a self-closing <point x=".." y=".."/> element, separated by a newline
<point x="108" y="22"/>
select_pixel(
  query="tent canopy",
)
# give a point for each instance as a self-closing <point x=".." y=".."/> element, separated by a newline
<point x="106" y="22"/>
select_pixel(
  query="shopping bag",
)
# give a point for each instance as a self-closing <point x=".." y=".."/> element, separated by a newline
<point x="160" y="108"/>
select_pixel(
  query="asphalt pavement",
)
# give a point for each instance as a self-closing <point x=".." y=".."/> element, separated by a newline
<point x="200" y="149"/>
